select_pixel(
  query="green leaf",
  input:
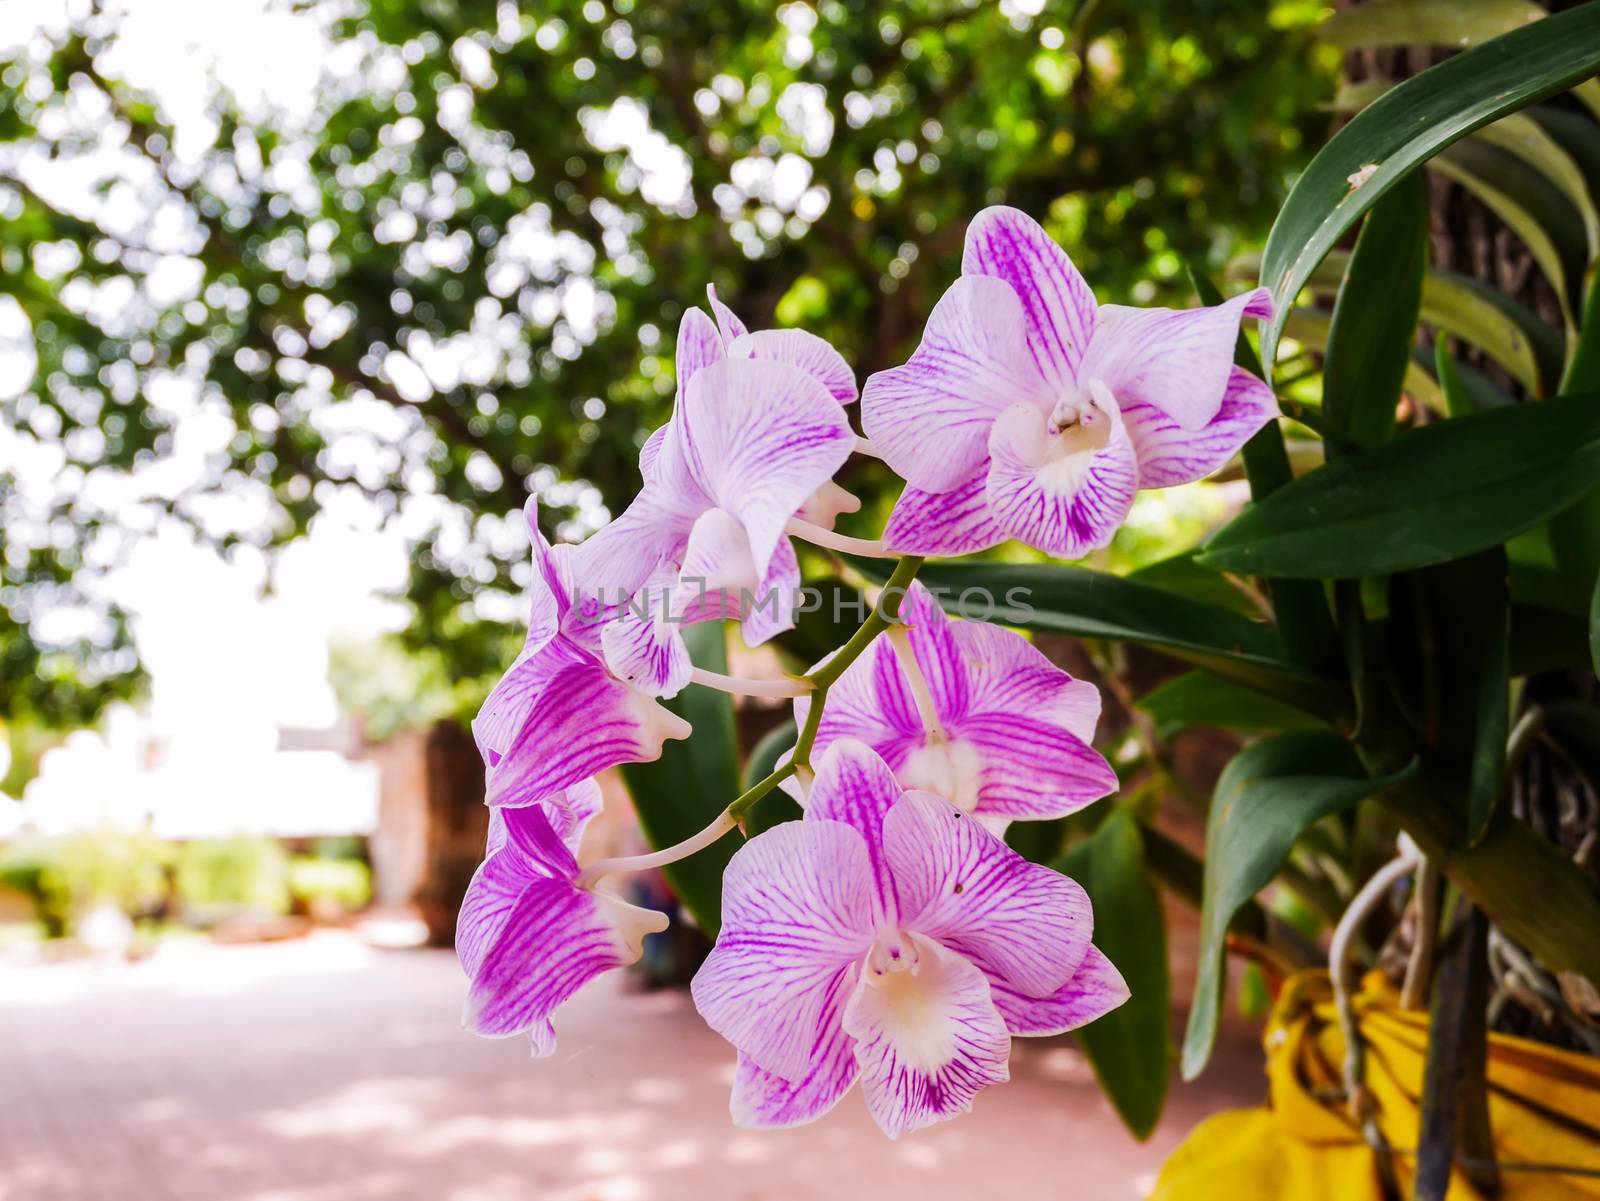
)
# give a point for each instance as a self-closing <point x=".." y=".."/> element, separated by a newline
<point x="1181" y="574"/>
<point x="1198" y="699"/>
<point x="1375" y="316"/>
<point x="1426" y="23"/>
<point x="683" y="791"/>
<point x="777" y="806"/>
<point x="1456" y="397"/>
<point x="1436" y="493"/>
<point x="1311" y="329"/>
<point x="1091" y="604"/>
<point x="1130" y="1047"/>
<point x="1594" y="628"/>
<point x="1410" y="124"/>
<point x="1267" y="796"/>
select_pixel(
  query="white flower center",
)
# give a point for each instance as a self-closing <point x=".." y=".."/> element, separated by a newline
<point x="892" y="954"/>
<point x="948" y="768"/>
<point x="1080" y="421"/>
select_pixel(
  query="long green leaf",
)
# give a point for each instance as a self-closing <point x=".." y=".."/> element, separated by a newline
<point x="1267" y="796"/>
<point x="1199" y="699"/>
<point x="1433" y="494"/>
<point x="1375" y="316"/>
<point x="1130" y="1048"/>
<point x="1409" y="125"/>
<point x="1311" y="330"/>
<point x="683" y="791"/>
<point x="1091" y="604"/>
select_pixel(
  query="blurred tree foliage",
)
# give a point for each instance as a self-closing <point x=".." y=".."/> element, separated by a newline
<point x="454" y="278"/>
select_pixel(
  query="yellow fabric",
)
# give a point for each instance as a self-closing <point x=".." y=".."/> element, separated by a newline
<point x="1544" y="1108"/>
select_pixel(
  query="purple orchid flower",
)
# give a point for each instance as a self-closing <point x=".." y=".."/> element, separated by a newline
<point x="1031" y="412"/>
<point x="529" y="934"/>
<point x="889" y="938"/>
<point x="986" y="721"/>
<point x="558" y="716"/>
<point x="752" y="440"/>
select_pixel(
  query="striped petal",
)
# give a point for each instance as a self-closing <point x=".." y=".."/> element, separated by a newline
<point x="1095" y="989"/>
<point x="1025" y="925"/>
<point x="583" y="722"/>
<point x="936" y="651"/>
<point x="927" y="1039"/>
<point x="1065" y="504"/>
<point x="506" y="707"/>
<point x="803" y="349"/>
<point x="762" y="1100"/>
<point x="699" y="345"/>
<point x="1010" y="675"/>
<point x="1178" y="360"/>
<point x="856" y="787"/>
<point x="727" y="321"/>
<point x="929" y="418"/>
<point x="761" y="437"/>
<point x="1031" y="769"/>
<point x="957" y="522"/>
<point x="1059" y="310"/>
<point x="772" y="611"/>
<point x="1169" y="454"/>
<point x="796" y="917"/>
<point x="644" y="645"/>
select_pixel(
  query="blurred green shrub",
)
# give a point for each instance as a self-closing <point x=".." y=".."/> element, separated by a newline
<point x="229" y="876"/>
<point x="70" y="875"/>
<point x="324" y="885"/>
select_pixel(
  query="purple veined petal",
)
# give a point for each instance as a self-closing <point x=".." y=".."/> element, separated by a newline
<point x="651" y="451"/>
<point x="856" y="787"/>
<point x="796" y="915"/>
<point x="507" y="705"/>
<point x="929" y="418"/>
<point x="727" y="321"/>
<point x="1168" y="454"/>
<point x="611" y="564"/>
<point x="803" y="349"/>
<point x="824" y="505"/>
<point x="772" y="610"/>
<point x="570" y="816"/>
<point x="718" y="557"/>
<point x="871" y="703"/>
<point x="644" y="645"/>
<point x="928" y="1039"/>
<point x="1178" y="360"/>
<point x="937" y="653"/>
<point x="957" y="522"/>
<point x="1032" y="769"/>
<point x="1025" y="925"/>
<point x="762" y="436"/>
<point x="763" y="1101"/>
<point x="1094" y="991"/>
<point x="1065" y="503"/>
<point x="583" y="722"/>
<point x="556" y="939"/>
<point x="699" y="345"/>
<point x="1008" y="674"/>
<point x="545" y="594"/>
<point x="489" y="901"/>
<point x="1059" y="310"/>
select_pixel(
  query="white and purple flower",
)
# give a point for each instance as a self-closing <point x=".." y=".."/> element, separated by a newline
<point x="756" y="437"/>
<point x="559" y="717"/>
<point x="1031" y="412"/>
<point x="529" y="933"/>
<point x="890" y="939"/>
<point x="984" y="721"/>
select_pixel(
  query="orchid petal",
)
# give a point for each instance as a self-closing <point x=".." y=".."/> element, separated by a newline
<point x="1025" y="925"/>
<point x="1094" y="991"/>
<point x="856" y="787"/>
<point x="583" y="722"/>
<point x="1010" y="675"/>
<point x="870" y="703"/>
<point x="506" y="707"/>
<point x="644" y="645"/>
<point x="772" y="610"/>
<point x="1059" y="310"/>
<point x="651" y="451"/>
<point x="1032" y="769"/>
<point x="727" y="321"/>
<point x="929" y="418"/>
<point x="928" y="1039"/>
<point x="1065" y="506"/>
<point x="718" y="557"/>
<point x="762" y="1100"/>
<point x="556" y="939"/>
<point x="699" y="345"/>
<point x="824" y="505"/>
<point x="796" y="916"/>
<point x="957" y="522"/>
<point x="1178" y="360"/>
<point x="937" y="653"/>
<point x="1168" y="454"/>
<point x="761" y="437"/>
<point x="803" y="349"/>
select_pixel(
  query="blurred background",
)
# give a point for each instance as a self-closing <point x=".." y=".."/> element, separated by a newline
<point x="299" y="302"/>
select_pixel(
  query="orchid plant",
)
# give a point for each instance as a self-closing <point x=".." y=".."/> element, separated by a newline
<point x="891" y="937"/>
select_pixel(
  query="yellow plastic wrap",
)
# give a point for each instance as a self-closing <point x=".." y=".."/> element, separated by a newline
<point x="1544" y="1109"/>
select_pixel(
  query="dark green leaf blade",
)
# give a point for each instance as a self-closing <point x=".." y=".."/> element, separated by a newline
<point x="1430" y="495"/>
<point x="1198" y="699"/>
<point x="1130" y="1047"/>
<point x="1267" y="796"/>
<point x="1091" y="604"/>
<point x="1375" y="315"/>
<point x="1409" y="125"/>
<point x="683" y="791"/>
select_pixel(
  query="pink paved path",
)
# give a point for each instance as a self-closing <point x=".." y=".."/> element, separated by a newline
<point x="327" y="1071"/>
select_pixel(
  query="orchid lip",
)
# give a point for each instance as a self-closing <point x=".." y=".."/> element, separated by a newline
<point x="1081" y="421"/>
<point x="891" y="954"/>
